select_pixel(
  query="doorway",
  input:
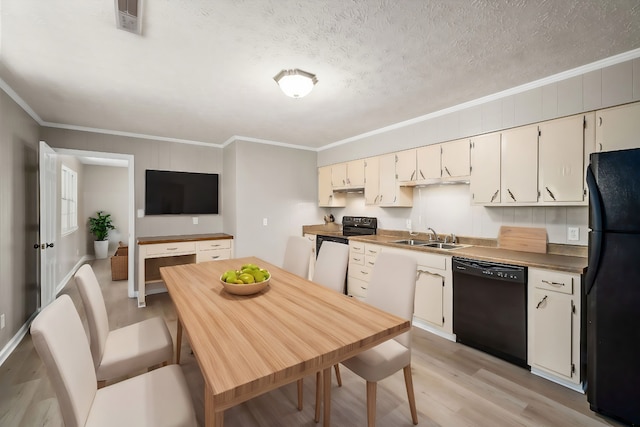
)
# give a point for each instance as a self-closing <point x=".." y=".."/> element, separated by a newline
<point x="96" y="158"/>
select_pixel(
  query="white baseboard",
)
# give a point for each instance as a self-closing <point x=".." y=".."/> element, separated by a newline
<point x="426" y="327"/>
<point x="575" y="387"/>
<point x="71" y="272"/>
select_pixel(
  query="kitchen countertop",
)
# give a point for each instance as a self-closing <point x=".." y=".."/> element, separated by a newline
<point x="571" y="261"/>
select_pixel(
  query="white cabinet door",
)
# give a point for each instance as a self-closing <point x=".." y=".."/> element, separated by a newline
<point x="406" y="165"/>
<point x="485" y="169"/>
<point x="387" y="179"/>
<point x="552" y="333"/>
<point x="618" y="128"/>
<point x="519" y="165"/>
<point x="455" y="159"/>
<point x="562" y="168"/>
<point x="429" y="297"/>
<point x="326" y="197"/>
<point x="371" y="181"/>
<point x="339" y="175"/>
<point x="428" y="161"/>
<point x="355" y="173"/>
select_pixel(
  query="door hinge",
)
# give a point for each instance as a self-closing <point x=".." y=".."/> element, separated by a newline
<point x="584" y="122"/>
<point x="573" y="368"/>
<point x="573" y="308"/>
<point x="470" y="169"/>
<point x="584" y="192"/>
<point x="539" y="132"/>
<point x="443" y="320"/>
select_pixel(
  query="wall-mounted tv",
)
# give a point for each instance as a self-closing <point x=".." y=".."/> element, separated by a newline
<point x="175" y="193"/>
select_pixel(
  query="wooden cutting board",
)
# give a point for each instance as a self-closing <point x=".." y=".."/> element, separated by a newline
<point x="524" y="239"/>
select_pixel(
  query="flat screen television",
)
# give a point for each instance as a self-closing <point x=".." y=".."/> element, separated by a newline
<point x="175" y="193"/>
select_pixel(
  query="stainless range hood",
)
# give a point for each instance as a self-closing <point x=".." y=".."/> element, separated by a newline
<point x="349" y="190"/>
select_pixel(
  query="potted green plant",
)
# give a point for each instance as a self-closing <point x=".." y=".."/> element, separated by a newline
<point x="99" y="226"/>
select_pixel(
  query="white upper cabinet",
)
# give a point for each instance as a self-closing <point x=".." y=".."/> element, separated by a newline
<point x="406" y="166"/>
<point x="326" y="197"/>
<point x="455" y="159"/>
<point x="348" y="175"/>
<point x="519" y="161"/>
<point x="371" y="180"/>
<point x="390" y="192"/>
<point x="485" y="169"/>
<point x="562" y="169"/>
<point x="618" y="128"/>
<point x="428" y="162"/>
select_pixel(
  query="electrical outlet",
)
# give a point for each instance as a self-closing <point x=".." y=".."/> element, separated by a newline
<point x="573" y="234"/>
<point x="195" y="220"/>
<point x="408" y="224"/>
<point x="2" y="321"/>
<point x="264" y="221"/>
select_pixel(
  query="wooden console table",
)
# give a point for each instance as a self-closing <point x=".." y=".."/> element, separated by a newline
<point x="162" y="251"/>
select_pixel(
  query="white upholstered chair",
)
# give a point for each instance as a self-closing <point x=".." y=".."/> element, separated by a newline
<point x="331" y="272"/>
<point x="159" y="398"/>
<point x="297" y="256"/>
<point x="125" y="350"/>
<point x="392" y="289"/>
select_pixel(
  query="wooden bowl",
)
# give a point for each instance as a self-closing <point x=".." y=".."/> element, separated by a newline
<point x="245" y="289"/>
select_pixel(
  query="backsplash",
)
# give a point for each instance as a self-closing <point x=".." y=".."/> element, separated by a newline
<point x="448" y="209"/>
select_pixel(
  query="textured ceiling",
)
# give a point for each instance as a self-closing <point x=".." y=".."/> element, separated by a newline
<point x="203" y="70"/>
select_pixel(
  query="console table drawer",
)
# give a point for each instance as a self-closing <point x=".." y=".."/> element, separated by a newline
<point x="171" y="248"/>
<point x="211" y="245"/>
<point x="213" y="255"/>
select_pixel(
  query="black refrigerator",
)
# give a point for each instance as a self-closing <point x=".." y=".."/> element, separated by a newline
<point x="612" y="285"/>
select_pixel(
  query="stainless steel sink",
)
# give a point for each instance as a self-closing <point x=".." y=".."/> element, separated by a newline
<point x="439" y="245"/>
<point x="412" y="242"/>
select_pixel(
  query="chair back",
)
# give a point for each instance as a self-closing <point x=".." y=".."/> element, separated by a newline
<point x="392" y="287"/>
<point x="96" y="310"/>
<point x="60" y="340"/>
<point x="331" y="265"/>
<point x="297" y="256"/>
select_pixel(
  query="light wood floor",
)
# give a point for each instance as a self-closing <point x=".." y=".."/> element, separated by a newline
<point x="454" y="385"/>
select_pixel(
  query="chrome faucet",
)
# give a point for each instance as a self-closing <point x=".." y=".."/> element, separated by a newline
<point x="435" y="235"/>
<point x="453" y="238"/>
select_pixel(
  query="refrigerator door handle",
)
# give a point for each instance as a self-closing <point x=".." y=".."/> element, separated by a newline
<point x="595" y="242"/>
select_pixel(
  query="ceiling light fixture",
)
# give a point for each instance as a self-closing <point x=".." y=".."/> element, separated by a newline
<point x="295" y="83"/>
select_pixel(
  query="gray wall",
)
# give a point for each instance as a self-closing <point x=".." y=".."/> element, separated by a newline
<point x="276" y="183"/>
<point x="19" y="283"/>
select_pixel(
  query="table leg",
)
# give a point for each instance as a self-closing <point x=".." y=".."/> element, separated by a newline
<point x="211" y="417"/>
<point x="178" y="341"/>
<point x="326" y="385"/>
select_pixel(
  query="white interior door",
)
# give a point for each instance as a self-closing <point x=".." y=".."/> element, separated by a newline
<point x="48" y="181"/>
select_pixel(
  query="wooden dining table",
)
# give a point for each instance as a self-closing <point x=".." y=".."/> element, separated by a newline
<point x="249" y="345"/>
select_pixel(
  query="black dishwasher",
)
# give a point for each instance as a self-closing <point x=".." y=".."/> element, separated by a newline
<point x="490" y="308"/>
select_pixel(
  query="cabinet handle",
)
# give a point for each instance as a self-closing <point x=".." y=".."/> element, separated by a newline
<point x="413" y="174"/>
<point x="172" y="249"/>
<point x="371" y="263"/>
<point x="511" y="195"/>
<point x="421" y="174"/>
<point x="600" y="144"/>
<point x="447" y="171"/>
<point x="495" y="195"/>
<point x="541" y="301"/>
<point x="356" y="259"/>
<point x="551" y="194"/>
<point x="364" y="272"/>
<point x="363" y="288"/>
<point x="557" y="284"/>
<point x="600" y="121"/>
<point x="215" y="257"/>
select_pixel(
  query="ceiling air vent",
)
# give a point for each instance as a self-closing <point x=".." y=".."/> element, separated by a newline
<point x="129" y="15"/>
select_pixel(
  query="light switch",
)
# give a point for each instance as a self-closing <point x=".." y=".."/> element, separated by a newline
<point x="140" y="213"/>
<point x="264" y="221"/>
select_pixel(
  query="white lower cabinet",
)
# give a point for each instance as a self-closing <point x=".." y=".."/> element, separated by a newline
<point x="554" y="326"/>
<point x="433" y="309"/>
<point x="362" y="258"/>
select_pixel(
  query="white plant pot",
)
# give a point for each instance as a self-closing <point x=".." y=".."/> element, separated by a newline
<point x="101" y="248"/>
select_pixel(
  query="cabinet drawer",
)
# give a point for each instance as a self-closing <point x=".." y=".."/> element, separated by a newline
<point x="553" y="280"/>
<point x="210" y="245"/>
<point x="357" y="288"/>
<point x="171" y="248"/>
<point x="370" y="260"/>
<point x="372" y="250"/>
<point x="213" y="255"/>
<point x="356" y="247"/>
<point x="356" y="258"/>
<point x="361" y="272"/>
